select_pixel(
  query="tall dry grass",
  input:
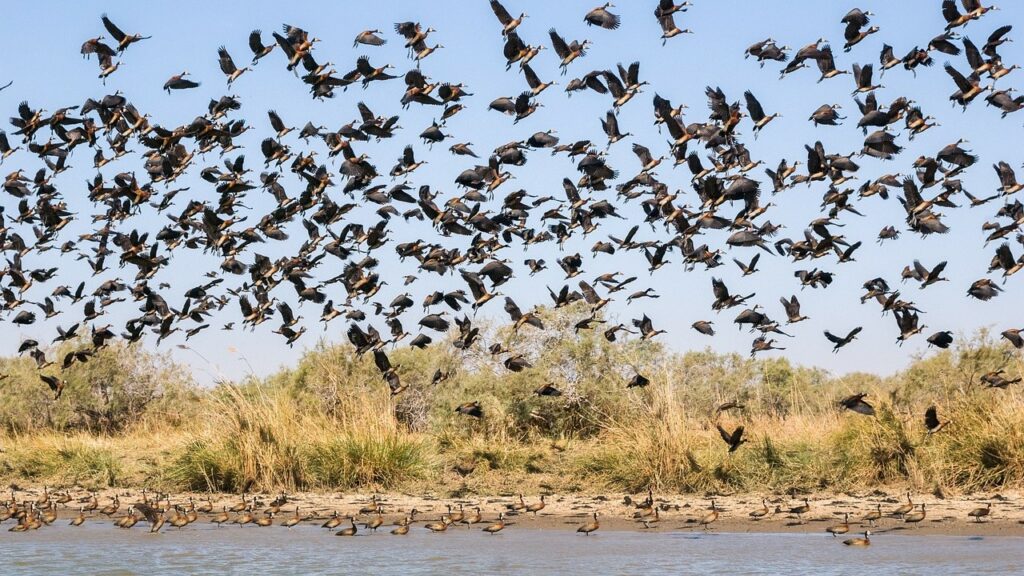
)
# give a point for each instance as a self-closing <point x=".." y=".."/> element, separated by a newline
<point x="329" y="423"/>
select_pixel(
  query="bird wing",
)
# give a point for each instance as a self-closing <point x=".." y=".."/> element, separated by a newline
<point x="255" y="42"/>
<point x="380" y="358"/>
<point x="558" y="43"/>
<point x="503" y="16"/>
<point x="958" y="78"/>
<point x="285" y="45"/>
<point x="227" y="65"/>
<point x="753" y="106"/>
<point x="112" y="28"/>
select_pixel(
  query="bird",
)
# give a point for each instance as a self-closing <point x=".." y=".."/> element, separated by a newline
<point x="508" y="23"/>
<point x="179" y="82"/>
<point x="709" y="518"/>
<point x="351" y="530"/>
<point x="733" y="439"/>
<point x="915" y="517"/>
<point x="979" y="513"/>
<point x="856" y="403"/>
<point x="801" y="510"/>
<point x="859" y="542"/>
<point x="536" y="506"/>
<point x="601" y="17"/>
<point x="904" y="509"/>
<point x="227" y="65"/>
<point x="589" y="527"/>
<point x="931" y="421"/>
<point x="123" y="40"/>
<point x="471" y="409"/>
<point x="842" y="341"/>
<point x="761" y="512"/>
<point x="497" y="526"/>
<point x="838" y="529"/>
<point x="874" y="515"/>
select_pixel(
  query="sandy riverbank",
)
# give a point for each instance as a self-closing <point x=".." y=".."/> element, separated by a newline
<point x="945" y="516"/>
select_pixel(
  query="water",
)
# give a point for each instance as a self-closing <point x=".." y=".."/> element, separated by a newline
<point x="101" y="549"/>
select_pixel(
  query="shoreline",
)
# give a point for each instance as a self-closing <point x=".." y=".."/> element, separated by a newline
<point x="674" y="513"/>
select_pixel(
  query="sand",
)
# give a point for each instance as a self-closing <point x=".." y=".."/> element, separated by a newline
<point x="945" y="516"/>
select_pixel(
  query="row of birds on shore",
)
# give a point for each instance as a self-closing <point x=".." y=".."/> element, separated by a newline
<point x="337" y="234"/>
<point x="160" y="513"/>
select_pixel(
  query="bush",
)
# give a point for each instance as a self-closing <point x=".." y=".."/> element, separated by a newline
<point x="130" y="417"/>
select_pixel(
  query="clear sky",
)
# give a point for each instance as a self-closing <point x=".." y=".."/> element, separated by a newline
<point x="43" y="60"/>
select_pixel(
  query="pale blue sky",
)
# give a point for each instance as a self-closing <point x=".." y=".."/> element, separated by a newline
<point x="186" y="35"/>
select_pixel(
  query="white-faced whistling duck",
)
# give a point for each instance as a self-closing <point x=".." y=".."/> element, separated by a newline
<point x="455" y="517"/>
<point x="227" y="65"/>
<point x="205" y="507"/>
<point x="979" y="513"/>
<point x="874" y="515"/>
<point x="179" y="82"/>
<point x="801" y="510"/>
<point x="762" y="511"/>
<point x="111" y="508"/>
<point x="649" y="521"/>
<point x="351" y="530"/>
<point x="221" y="517"/>
<point x="376" y="521"/>
<point x="107" y="67"/>
<point x="49" y="514"/>
<point x="192" y="514"/>
<point x="123" y="40"/>
<point x="93" y="504"/>
<point x="840" y="528"/>
<point x="915" y="517"/>
<point x="590" y="526"/>
<point x="241" y="505"/>
<point x="518" y="506"/>
<point x="508" y="23"/>
<point x="128" y="521"/>
<point x="859" y="542"/>
<point x="119" y="523"/>
<point x="402" y="529"/>
<point x="408" y="519"/>
<point x="710" y="517"/>
<point x="153" y="516"/>
<point x="600" y="16"/>
<point x="536" y="506"/>
<point x="372" y="506"/>
<point x="332" y="522"/>
<point x="246" y="517"/>
<point x="931" y="420"/>
<point x="369" y="38"/>
<point x="177" y="519"/>
<point x="293" y="520"/>
<point x="475" y="518"/>
<point x="266" y="520"/>
<point x="439" y="526"/>
<point x="78" y="520"/>
<point x="903" y="509"/>
<point x="497" y="526"/>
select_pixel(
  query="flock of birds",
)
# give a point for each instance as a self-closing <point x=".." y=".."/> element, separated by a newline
<point x="472" y="233"/>
<point x="159" y="512"/>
